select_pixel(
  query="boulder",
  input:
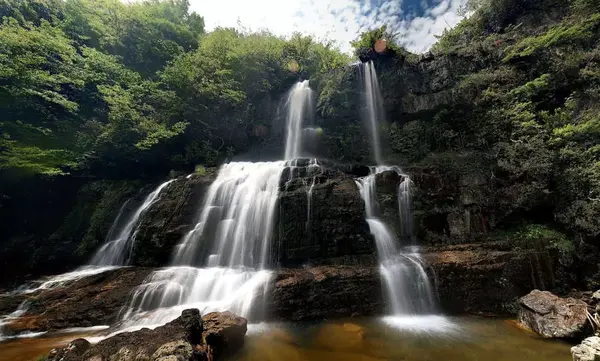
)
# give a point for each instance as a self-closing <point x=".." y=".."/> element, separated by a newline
<point x="587" y="350"/>
<point x="223" y="333"/>
<point x="72" y="352"/>
<point x="189" y="337"/>
<point x="552" y="316"/>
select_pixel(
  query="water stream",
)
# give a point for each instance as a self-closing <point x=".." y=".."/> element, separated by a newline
<point x="299" y="108"/>
<point x="374" y="113"/>
<point x="221" y="263"/>
<point x="115" y="252"/>
<point x="406" y="282"/>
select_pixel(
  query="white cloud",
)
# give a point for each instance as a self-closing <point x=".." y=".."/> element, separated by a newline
<point x="338" y="20"/>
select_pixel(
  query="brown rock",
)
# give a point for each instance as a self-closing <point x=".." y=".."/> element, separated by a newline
<point x="177" y="340"/>
<point x="91" y="301"/>
<point x="326" y="291"/>
<point x="223" y="333"/>
<point x="72" y="352"/>
<point x="552" y="316"/>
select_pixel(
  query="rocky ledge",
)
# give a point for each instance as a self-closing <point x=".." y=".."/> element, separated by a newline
<point x="553" y="317"/>
<point x="482" y="278"/>
<point x="190" y="337"/>
<point x="91" y="301"/>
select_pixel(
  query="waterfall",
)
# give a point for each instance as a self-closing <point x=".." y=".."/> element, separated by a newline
<point x="373" y="102"/>
<point x="221" y="264"/>
<point x="406" y="283"/>
<point x="299" y="107"/>
<point x="117" y="250"/>
<point x="231" y="240"/>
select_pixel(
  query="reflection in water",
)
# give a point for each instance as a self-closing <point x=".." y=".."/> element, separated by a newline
<point x="30" y="349"/>
<point x="461" y="339"/>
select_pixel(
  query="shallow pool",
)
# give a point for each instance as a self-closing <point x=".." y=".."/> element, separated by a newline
<point x="405" y="338"/>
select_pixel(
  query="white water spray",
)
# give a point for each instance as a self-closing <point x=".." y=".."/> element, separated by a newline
<point x="231" y="237"/>
<point x="299" y="105"/>
<point x="374" y="106"/>
<point x="406" y="282"/>
<point x="113" y="254"/>
<point x="116" y="251"/>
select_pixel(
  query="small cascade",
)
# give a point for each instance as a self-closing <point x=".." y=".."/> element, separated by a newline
<point x="221" y="263"/>
<point x="114" y="253"/>
<point x="299" y="107"/>
<point x="313" y="167"/>
<point x="117" y="250"/>
<point x="373" y="102"/>
<point x="4" y="320"/>
<point x="406" y="282"/>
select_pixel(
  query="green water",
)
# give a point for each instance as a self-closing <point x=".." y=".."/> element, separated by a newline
<point x="432" y="339"/>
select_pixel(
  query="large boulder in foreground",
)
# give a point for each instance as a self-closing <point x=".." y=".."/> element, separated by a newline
<point x="552" y="316"/>
<point x="587" y="350"/>
<point x="223" y="333"/>
<point x="187" y="338"/>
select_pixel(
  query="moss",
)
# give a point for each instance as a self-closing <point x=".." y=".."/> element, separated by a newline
<point x="570" y="33"/>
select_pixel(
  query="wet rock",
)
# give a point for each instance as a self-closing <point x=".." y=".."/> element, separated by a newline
<point x="334" y="226"/>
<point x="552" y="316"/>
<point x="480" y="278"/>
<point x="173" y="351"/>
<point x="72" y="352"/>
<point x="223" y="333"/>
<point x="587" y="350"/>
<point x="326" y="291"/>
<point x="91" y="301"/>
<point x="190" y="337"/>
<point x="169" y="219"/>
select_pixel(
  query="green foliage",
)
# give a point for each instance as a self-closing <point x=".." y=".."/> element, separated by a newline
<point x="200" y="170"/>
<point x="103" y="86"/>
<point x="571" y="33"/>
<point x="367" y="40"/>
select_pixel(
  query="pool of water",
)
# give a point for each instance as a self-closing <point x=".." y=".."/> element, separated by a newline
<point x="415" y="339"/>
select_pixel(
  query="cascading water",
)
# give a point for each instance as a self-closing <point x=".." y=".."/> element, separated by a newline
<point x="299" y="107"/>
<point x="112" y="254"/>
<point x="116" y="251"/>
<point x="373" y="102"/>
<point x="407" y="285"/>
<point x="221" y="264"/>
<point x="231" y="239"/>
<point x="406" y="282"/>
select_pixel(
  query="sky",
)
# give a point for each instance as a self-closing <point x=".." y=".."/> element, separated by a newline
<point x="416" y="21"/>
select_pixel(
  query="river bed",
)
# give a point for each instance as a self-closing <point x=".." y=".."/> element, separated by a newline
<point x="414" y="339"/>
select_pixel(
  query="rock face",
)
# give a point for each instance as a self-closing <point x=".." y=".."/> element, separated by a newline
<point x="187" y="338"/>
<point x="91" y="301"/>
<point x="587" y="350"/>
<point x="169" y="219"/>
<point x="472" y="278"/>
<point x="475" y="278"/>
<point x="332" y="227"/>
<point x="552" y="316"/>
<point x="326" y="291"/>
<point x="481" y="278"/>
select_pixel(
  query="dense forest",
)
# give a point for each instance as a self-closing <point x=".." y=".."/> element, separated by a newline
<point x="100" y="89"/>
